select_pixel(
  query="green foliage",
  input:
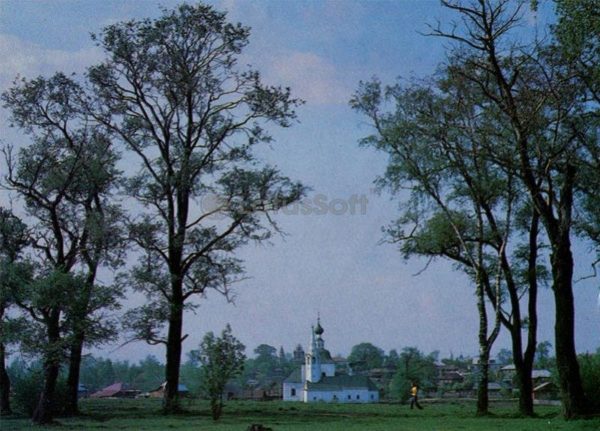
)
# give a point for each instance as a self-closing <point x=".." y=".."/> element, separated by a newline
<point x="504" y="357"/>
<point x="222" y="358"/>
<point x="366" y="356"/>
<point x="543" y="356"/>
<point x="413" y="366"/>
<point x="191" y="374"/>
<point x="97" y="373"/>
<point x="27" y="381"/>
<point x="578" y="31"/>
<point x="267" y="366"/>
<point x="590" y="375"/>
<point x="65" y="178"/>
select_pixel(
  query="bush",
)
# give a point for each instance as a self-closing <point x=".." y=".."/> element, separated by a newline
<point x="590" y="375"/>
<point x="400" y="388"/>
<point x="27" y="387"/>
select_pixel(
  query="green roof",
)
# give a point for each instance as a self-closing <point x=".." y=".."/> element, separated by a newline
<point x="294" y="377"/>
<point x="341" y="382"/>
<point x="325" y="356"/>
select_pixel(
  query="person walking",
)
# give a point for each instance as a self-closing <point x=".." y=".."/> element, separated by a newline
<point x="414" y="396"/>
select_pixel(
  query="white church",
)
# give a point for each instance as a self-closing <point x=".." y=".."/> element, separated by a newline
<point x="317" y="379"/>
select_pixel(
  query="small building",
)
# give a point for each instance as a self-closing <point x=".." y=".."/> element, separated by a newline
<point x="317" y="379"/>
<point x="538" y="377"/>
<point x="116" y="390"/>
<point x="449" y="375"/>
<point x="547" y="391"/>
<point x="159" y="392"/>
<point x="266" y="391"/>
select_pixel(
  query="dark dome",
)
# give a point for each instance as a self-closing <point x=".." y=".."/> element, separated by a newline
<point x="319" y="329"/>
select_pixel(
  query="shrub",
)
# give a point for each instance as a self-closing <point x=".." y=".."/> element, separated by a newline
<point x="590" y="375"/>
<point x="27" y="387"/>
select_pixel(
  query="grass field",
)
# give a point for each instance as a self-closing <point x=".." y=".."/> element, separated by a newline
<point x="448" y="416"/>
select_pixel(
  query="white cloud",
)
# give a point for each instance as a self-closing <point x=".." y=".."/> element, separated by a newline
<point x="311" y="77"/>
<point x="29" y="60"/>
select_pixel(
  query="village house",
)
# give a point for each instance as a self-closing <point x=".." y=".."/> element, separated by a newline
<point x="116" y="390"/>
<point x="449" y="375"/>
<point x="538" y="377"/>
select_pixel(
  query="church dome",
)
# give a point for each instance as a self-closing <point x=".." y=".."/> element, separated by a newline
<point x="319" y="329"/>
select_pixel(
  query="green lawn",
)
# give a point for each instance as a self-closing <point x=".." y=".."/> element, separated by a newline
<point x="144" y="415"/>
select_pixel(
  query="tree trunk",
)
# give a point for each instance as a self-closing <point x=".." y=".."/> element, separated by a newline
<point x="526" y="398"/>
<point x="482" y="384"/>
<point x="525" y="385"/>
<point x="573" y="399"/>
<point x="72" y="402"/>
<point x="558" y="225"/>
<point x="4" y="384"/>
<point x="484" y="354"/>
<point x="171" y="397"/>
<point x="524" y="361"/>
<point x="44" y="412"/>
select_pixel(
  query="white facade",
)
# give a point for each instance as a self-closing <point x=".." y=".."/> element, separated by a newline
<point x="345" y="395"/>
<point x="316" y="380"/>
<point x="293" y="391"/>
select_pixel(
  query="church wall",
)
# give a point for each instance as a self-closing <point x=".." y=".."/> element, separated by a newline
<point x="328" y="369"/>
<point x="298" y="391"/>
<point x="342" y="396"/>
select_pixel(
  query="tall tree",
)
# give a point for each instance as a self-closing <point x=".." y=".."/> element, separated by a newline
<point x="171" y="90"/>
<point x="434" y="140"/>
<point x="467" y="204"/>
<point x="62" y="177"/>
<point x="538" y="95"/>
<point x="88" y="316"/>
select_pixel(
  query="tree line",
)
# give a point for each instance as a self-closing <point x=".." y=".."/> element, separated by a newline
<point x="269" y="366"/>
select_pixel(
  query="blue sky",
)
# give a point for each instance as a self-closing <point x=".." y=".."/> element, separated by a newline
<point x="328" y="264"/>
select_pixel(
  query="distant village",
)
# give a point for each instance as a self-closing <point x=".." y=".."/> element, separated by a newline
<point x="367" y="375"/>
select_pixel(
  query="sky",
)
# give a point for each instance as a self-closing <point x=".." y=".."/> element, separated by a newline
<point x="334" y="264"/>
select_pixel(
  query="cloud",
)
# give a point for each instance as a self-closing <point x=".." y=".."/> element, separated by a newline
<point x="311" y="77"/>
<point x="29" y="60"/>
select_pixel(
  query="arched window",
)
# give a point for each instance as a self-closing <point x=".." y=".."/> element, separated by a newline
<point x="293" y="392"/>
